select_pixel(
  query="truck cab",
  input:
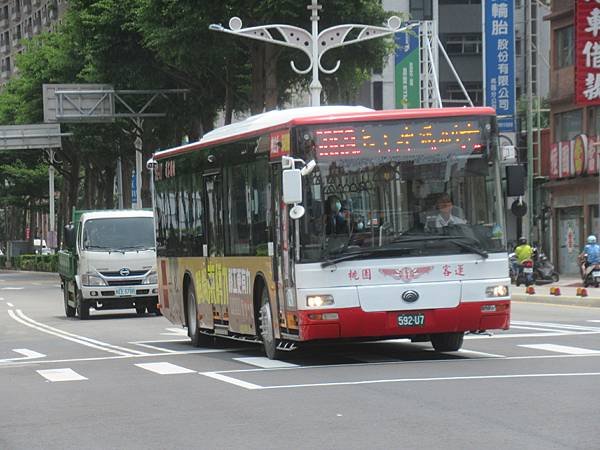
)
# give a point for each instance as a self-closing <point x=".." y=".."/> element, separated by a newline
<point x="109" y="262"/>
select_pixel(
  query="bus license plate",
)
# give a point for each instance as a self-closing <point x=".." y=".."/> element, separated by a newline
<point x="527" y="270"/>
<point x="411" y="320"/>
<point x="125" y="291"/>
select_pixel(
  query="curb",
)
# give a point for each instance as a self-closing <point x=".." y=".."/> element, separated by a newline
<point x="558" y="300"/>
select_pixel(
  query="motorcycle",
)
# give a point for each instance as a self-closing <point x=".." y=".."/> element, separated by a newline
<point x="592" y="276"/>
<point x="525" y="273"/>
<point x="544" y="269"/>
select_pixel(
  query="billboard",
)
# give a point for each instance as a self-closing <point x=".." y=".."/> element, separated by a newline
<point x="407" y="69"/>
<point x="587" y="52"/>
<point x="499" y="61"/>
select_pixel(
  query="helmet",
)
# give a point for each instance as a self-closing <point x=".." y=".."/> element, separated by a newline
<point x="591" y="239"/>
<point x="522" y="241"/>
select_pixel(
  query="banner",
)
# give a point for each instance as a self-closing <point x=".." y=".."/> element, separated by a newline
<point x="499" y="61"/>
<point x="554" y="162"/>
<point x="564" y="151"/>
<point x="408" y="69"/>
<point x="587" y="52"/>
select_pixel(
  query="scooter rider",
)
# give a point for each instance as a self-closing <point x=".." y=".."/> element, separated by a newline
<point x="589" y="256"/>
<point x="523" y="251"/>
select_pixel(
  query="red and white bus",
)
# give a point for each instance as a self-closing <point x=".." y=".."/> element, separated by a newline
<point x="327" y="223"/>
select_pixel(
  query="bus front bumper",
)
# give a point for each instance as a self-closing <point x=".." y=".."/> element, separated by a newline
<point x="356" y="323"/>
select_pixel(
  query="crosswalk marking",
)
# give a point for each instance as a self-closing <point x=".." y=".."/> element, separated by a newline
<point x="61" y="375"/>
<point x="562" y="349"/>
<point x="165" y="368"/>
<point x="265" y="363"/>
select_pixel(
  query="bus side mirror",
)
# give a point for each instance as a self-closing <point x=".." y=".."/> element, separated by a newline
<point x="70" y="235"/>
<point x="292" y="186"/>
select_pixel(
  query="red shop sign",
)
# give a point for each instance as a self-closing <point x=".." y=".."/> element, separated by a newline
<point x="587" y="48"/>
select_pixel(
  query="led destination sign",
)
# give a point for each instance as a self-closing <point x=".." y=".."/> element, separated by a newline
<point x="406" y="138"/>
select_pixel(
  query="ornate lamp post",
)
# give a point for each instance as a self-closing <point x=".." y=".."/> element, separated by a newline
<point x="314" y="44"/>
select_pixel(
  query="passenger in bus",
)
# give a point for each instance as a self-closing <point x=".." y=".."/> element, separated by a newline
<point x="335" y="220"/>
<point x="446" y="214"/>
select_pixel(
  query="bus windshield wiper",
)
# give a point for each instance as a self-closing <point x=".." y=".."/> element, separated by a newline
<point x="457" y="240"/>
<point x="365" y="253"/>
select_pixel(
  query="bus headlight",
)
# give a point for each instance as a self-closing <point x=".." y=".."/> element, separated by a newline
<point x="316" y="301"/>
<point x="496" y="291"/>
<point x="152" y="278"/>
<point x="88" y="279"/>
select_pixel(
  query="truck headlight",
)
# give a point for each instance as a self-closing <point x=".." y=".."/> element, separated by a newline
<point x="88" y="279"/>
<point x="496" y="291"/>
<point x="316" y="301"/>
<point x="151" y="278"/>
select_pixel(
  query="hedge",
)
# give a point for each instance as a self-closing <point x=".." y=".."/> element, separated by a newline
<point x="37" y="263"/>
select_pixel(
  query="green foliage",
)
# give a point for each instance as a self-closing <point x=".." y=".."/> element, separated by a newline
<point x="35" y="263"/>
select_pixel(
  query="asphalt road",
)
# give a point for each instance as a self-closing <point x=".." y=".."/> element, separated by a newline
<point x="119" y="381"/>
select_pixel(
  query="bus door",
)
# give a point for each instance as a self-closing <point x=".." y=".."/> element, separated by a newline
<point x="214" y="285"/>
<point x="282" y="260"/>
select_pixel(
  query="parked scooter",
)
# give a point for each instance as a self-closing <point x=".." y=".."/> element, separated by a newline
<point x="525" y="274"/>
<point x="543" y="268"/>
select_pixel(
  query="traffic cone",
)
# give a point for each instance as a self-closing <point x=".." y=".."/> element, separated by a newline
<point x="530" y="290"/>
<point x="582" y="292"/>
<point x="555" y="290"/>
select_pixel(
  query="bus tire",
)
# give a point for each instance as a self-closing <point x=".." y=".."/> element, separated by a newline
<point x="83" y="309"/>
<point x="194" y="333"/>
<point x="69" y="310"/>
<point x="267" y="330"/>
<point x="447" y="342"/>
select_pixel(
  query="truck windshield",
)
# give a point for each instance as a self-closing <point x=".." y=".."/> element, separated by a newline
<point x="122" y="233"/>
<point x="402" y="188"/>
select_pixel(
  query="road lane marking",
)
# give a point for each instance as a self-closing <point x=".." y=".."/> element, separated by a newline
<point x="28" y="354"/>
<point x="54" y="375"/>
<point x="24" y="320"/>
<point x="10" y="304"/>
<point x="474" y="352"/>
<point x="165" y="368"/>
<point x="265" y="363"/>
<point x="175" y="332"/>
<point x="230" y="380"/>
<point x="562" y="349"/>
<point x="12" y="288"/>
<point x="553" y="326"/>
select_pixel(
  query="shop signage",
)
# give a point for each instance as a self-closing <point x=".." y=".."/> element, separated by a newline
<point x="587" y="52"/>
<point x="576" y="157"/>
<point x="499" y="61"/>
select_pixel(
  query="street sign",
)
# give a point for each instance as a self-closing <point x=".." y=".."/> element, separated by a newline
<point x="407" y="69"/>
<point x="78" y="103"/>
<point x="27" y="137"/>
<point x="134" y="198"/>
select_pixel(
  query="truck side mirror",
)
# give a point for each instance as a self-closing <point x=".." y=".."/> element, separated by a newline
<point x="70" y="235"/>
<point x="292" y="186"/>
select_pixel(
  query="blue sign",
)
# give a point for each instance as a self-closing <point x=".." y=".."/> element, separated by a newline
<point x="133" y="187"/>
<point x="407" y="69"/>
<point x="499" y="61"/>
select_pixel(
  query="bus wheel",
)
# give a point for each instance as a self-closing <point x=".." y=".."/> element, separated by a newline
<point x="83" y="309"/>
<point x="69" y="310"/>
<point x="447" y="342"/>
<point x="266" y="327"/>
<point x="194" y="333"/>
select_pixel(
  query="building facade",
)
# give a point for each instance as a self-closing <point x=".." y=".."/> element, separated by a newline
<point x="572" y="192"/>
<point x="20" y="20"/>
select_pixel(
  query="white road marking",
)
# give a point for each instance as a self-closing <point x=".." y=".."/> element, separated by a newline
<point x="265" y="363"/>
<point x="12" y="288"/>
<point x="165" y="368"/>
<point x="61" y="375"/>
<point x="562" y="349"/>
<point x="473" y="352"/>
<point x="517" y="327"/>
<point x="23" y="319"/>
<point x="175" y="332"/>
<point x="28" y="353"/>
<point x="595" y="321"/>
<point x="230" y="380"/>
<point x="560" y="326"/>
<point x="10" y="304"/>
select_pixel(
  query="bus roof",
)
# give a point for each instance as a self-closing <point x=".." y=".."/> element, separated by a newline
<point x="288" y="118"/>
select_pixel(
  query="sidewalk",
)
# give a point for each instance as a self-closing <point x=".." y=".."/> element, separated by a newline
<point x="568" y="293"/>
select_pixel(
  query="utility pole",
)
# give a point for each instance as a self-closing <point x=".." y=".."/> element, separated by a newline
<point x="314" y="44"/>
<point x="529" y="113"/>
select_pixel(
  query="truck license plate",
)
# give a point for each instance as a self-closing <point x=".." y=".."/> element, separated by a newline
<point x="411" y="320"/>
<point x="125" y="291"/>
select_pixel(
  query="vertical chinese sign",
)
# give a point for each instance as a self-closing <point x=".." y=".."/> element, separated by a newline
<point x="408" y="69"/>
<point x="499" y="61"/>
<point x="587" y="45"/>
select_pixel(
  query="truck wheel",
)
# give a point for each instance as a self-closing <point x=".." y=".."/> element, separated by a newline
<point x="140" y="309"/>
<point x="153" y="308"/>
<point x="194" y="333"/>
<point x="266" y="327"/>
<point x="447" y="342"/>
<point x="83" y="309"/>
<point x="69" y="310"/>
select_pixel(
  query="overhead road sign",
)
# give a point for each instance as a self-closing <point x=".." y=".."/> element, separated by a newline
<point x="27" y="137"/>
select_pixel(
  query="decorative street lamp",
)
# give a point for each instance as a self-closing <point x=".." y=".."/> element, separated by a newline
<point x="314" y="44"/>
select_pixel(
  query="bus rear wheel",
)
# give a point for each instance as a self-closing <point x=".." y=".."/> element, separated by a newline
<point x="194" y="333"/>
<point x="266" y="327"/>
<point x="447" y="342"/>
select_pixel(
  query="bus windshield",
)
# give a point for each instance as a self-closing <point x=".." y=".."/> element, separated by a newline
<point x="119" y="234"/>
<point x="419" y="187"/>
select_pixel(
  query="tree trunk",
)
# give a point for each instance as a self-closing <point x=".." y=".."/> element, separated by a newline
<point x="271" y="89"/>
<point x="228" y="96"/>
<point x="257" y="56"/>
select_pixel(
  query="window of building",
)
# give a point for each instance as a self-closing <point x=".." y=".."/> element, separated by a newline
<point x="421" y="10"/>
<point x="463" y="44"/>
<point x="460" y="2"/>
<point x="565" y="46"/>
<point x="455" y="96"/>
<point x="594" y="121"/>
<point x="567" y="125"/>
